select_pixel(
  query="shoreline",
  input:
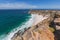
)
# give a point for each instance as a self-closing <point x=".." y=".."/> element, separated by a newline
<point x="36" y="16"/>
<point x="40" y="26"/>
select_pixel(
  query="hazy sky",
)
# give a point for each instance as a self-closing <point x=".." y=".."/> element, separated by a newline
<point x="27" y="4"/>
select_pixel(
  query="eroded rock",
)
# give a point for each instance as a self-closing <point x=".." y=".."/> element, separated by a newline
<point x="41" y="31"/>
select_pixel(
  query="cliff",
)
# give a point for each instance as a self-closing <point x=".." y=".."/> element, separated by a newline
<point x="40" y="30"/>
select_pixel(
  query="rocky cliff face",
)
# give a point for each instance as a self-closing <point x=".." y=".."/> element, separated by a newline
<point x="42" y="30"/>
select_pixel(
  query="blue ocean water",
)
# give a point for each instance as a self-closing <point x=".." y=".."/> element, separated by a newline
<point x="10" y="19"/>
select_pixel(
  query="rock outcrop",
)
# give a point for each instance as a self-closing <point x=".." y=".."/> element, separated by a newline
<point x="43" y="29"/>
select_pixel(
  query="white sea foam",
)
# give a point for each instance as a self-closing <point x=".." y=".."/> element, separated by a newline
<point x="38" y="18"/>
<point x="35" y="18"/>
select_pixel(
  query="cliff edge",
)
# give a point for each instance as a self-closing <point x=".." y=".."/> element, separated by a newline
<point x="42" y="28"/>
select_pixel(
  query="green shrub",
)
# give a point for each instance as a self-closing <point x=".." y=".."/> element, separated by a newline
<point x="52" y="29"/>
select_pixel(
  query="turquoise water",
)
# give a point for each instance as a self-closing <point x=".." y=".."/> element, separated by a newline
<point x="10" y="19"/>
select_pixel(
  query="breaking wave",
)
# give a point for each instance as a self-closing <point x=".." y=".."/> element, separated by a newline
<point x="34" y="19"/>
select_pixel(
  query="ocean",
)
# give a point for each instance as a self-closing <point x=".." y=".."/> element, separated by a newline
<point x="11" y="21"/>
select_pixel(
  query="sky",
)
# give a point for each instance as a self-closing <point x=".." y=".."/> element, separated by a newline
<point x="29" y="4"/>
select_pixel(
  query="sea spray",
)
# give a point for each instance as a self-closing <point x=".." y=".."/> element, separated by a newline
<point x="38" y="18"/>
<point x="10" y="34"/>
<point x="35" y="18"/>
<point x="24" y="25"/>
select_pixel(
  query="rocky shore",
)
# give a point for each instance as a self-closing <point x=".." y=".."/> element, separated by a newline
<point x="47" y="29"/>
